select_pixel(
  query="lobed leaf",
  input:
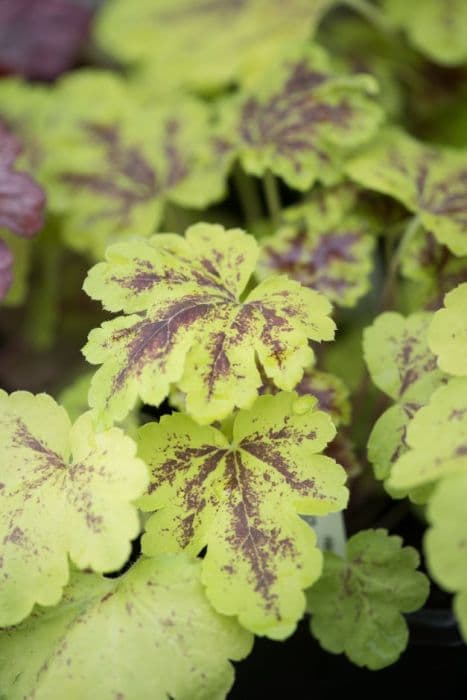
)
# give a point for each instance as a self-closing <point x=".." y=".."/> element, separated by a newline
<point x="448" y="332"/>
<point x="402" y="365"/>
<point x="120" y="155"/>
<point x="429" y="181"/>
<point x="334" y="259"/>
<point x="301" y="119"/>
<point x="202" y="44"/>
<point x="240" y="498"/>
<point x="437" y="29"/>
<point x="437" y="439"/>
<point x="357" y="603"/>
<point x="65" y="491"/>
<point x="190" y="326"/>
<point x="137" y="636"/>
<point x="445" y="541"/>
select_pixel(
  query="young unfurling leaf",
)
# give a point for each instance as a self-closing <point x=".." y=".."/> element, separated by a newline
<point x="240" y="498"/>
<point x="189" y="325"/>
<point x="65" y="490"/>
<point x="149" y="634"/>
<point x="400" y="364"/>
<point x="357" y="603"/>
<point x="301" y="119"/>
<point x="436" y="27"/>
<point x="335" y="259"/>
<point x="430" y="181"/>
<point x="448" y="332"/>
<point x="230" y="40"/>
<point x="120" y="155"/>
<point x="330" y="391"/>
<point x="437" y="439"/>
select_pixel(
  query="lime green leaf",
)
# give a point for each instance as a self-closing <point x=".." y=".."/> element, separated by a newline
<point x="437" y="438"/>
<point x="188" y="325"/>
<point x="120" y="156"/>
<point x="436" y="27"/>
<point x="335" y="260"/>
<point x="74" y="399"/>
<point x="149" y="634"/>
<point x="402" y="365"/>
<point x="241" y="500"/>
<point x="431" y="182"/>
<point x="230" y="40"/>
<point x="357" y="603"/>
<point x="448" y="332"/>
<point x="445" y="541"/>
<point x="301" y="119"/>
<point x="65" y="491"/>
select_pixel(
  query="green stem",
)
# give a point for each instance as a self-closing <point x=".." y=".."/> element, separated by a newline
<point x="271" y="192"/>
<point x="248" y="196"/>
<point x="372" y="14"/>
<point x="407" y="236"/>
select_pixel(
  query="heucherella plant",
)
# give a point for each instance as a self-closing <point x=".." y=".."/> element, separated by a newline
<point x="233" y="344"/>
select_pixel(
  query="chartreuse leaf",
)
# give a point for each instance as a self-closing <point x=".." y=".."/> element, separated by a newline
<point x="430" y="181"/>
<point x="149" y="634"/>
<point x="448" y="332"/>
<point x="65" y="491"/>
<point x="121" y="155"/>
<point x="231" y="40"/>
<point x="437" y="439"/>
<point x="301" y="118"/>
<point x="401" y="364"/>
<point x="357" y="603"/>
<point x="188" y="324"/>
<point x="330" y="391"/>
<point x="74" y="399"/>
<point x="445" y="541"/>
<point x="438" y="29"/>
<point x="240" y="498"/>
<point x="331" y="254"/>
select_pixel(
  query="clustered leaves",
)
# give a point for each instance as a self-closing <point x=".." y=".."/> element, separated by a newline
<point x="269" y="206"/>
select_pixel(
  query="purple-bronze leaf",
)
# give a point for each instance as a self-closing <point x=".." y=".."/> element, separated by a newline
<point x="40" y="39"/>
<point x="21" y="199"/>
